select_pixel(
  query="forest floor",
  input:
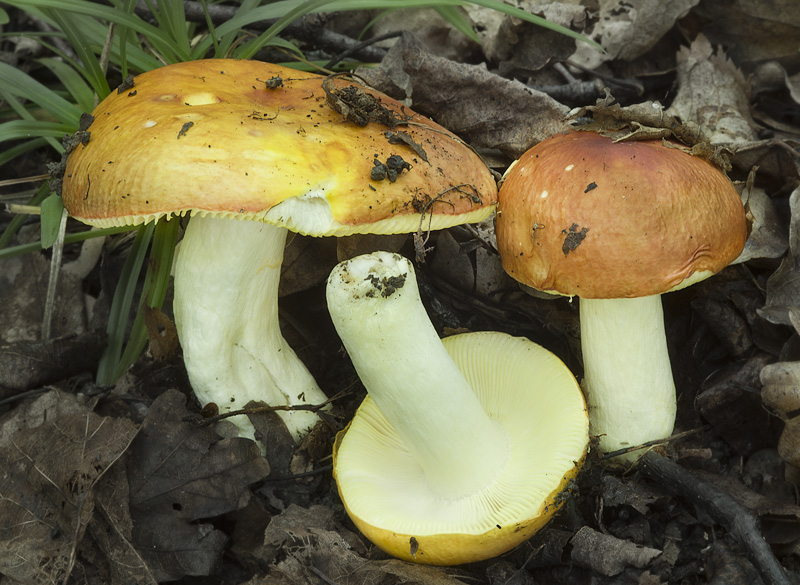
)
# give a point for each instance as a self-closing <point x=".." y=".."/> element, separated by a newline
<point x="127" y="484"/>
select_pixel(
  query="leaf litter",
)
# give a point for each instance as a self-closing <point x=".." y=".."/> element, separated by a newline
<point x="123" y="485"/>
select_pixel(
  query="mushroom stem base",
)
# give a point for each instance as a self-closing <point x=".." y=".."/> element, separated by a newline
<point x="226" y="312"/>
<point x="628" y="378"/>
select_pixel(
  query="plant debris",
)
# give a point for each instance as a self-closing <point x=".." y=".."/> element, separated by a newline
<point x="391" y="169"/>
<point x="359" y="106"/>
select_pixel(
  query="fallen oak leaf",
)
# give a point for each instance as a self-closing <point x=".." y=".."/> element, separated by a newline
<point x="47" y="490"/>
<point x="179" y="474"/>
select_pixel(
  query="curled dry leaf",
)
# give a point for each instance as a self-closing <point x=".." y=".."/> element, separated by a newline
<point x="783" y="287"/>
<point x="650" y="121"/>
<point x="486" y="110"/>
<point x="703" y="72"/>
<point x="607" y="554"/>
<point x="627" y="29"/>
<point x="768" y="237"/>
<point x="53" y="454"/>
<point x="781" y="387"/>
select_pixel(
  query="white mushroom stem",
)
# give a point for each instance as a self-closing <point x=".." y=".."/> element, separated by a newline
<point x="375" y="305"/>
<point x="226" y="312"/>
<point x="628" y="378"/>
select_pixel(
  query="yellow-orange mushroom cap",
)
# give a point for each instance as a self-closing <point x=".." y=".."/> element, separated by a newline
<point x="210" y="137"/>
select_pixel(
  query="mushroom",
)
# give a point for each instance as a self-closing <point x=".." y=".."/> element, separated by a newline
<point x="463" y="447"/>
<point x="618" y="224"/>
<point x="281" y="150"/>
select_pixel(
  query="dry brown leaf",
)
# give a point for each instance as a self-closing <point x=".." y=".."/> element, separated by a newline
<point x="486" y="110"/>
<point x="522" y="48"/>
<point x="635" y="495"/>
<point x="789" y="443"/>
<point x="25" y="365"/>
<point x="754" y="30"/>
<point x="23" y="287"/>
<point x="179" y="474"/>
<point x="111" y="529"/>
<point x="47" y="489"/>
<point x="452" y="265"/>
<point x="783" y="287"/>
<point x="713" y="94"/>
<point x="310" y="547"/>
<point x="627" y="29"/>
<point x="306" y="263"/>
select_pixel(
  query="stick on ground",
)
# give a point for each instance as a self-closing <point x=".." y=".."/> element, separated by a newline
<point x="722" y="508"/>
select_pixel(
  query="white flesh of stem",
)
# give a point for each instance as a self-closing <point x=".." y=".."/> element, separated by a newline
<point x="628" y="378"/>
<point x="411" y="377"/>
<point x="226" y="312"/>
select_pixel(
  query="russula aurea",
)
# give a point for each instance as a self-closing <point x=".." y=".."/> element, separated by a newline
<point x="618" y="224"/>
<point x="222" y="140"/>
<point x="464" y="446"/>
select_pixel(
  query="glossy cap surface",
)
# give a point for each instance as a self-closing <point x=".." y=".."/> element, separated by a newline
<point x="581" y="215"/>
<point x="252" y="140"/>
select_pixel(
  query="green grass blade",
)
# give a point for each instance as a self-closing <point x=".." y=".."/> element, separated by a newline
<point x="343" y="5"/>
<point x="50" y="219"/>
<point x="249" y="50"/>
<point x="171" y="17"/>
<point x="16" y="83"/>
<point x="457" y="19"/>
<point x="91" y="69"/>
<point x="81" y="93"/>
<point x="8" y="252"/>
<point x="156" y="283"/>
<point x="20" y="129"/>
<point x="121" y="305"/>
<point x="158" y="38"/>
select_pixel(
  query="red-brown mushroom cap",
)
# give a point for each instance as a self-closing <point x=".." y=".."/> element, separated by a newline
<point x="579" y="214"/>
<point x="211" y="137"/>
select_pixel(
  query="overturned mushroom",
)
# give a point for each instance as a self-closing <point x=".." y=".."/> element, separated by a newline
<point x="464" y="446"/>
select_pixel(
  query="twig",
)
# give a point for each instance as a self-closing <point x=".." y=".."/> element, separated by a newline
<point x="739" y="523"/>
<point x="258" y="409"/>
<point x="362" y="45"/>
<point x="653" y="443"/>
<point x="52" y="284"/>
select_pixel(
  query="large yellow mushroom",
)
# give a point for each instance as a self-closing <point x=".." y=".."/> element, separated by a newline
<point x="252" y="150"/>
